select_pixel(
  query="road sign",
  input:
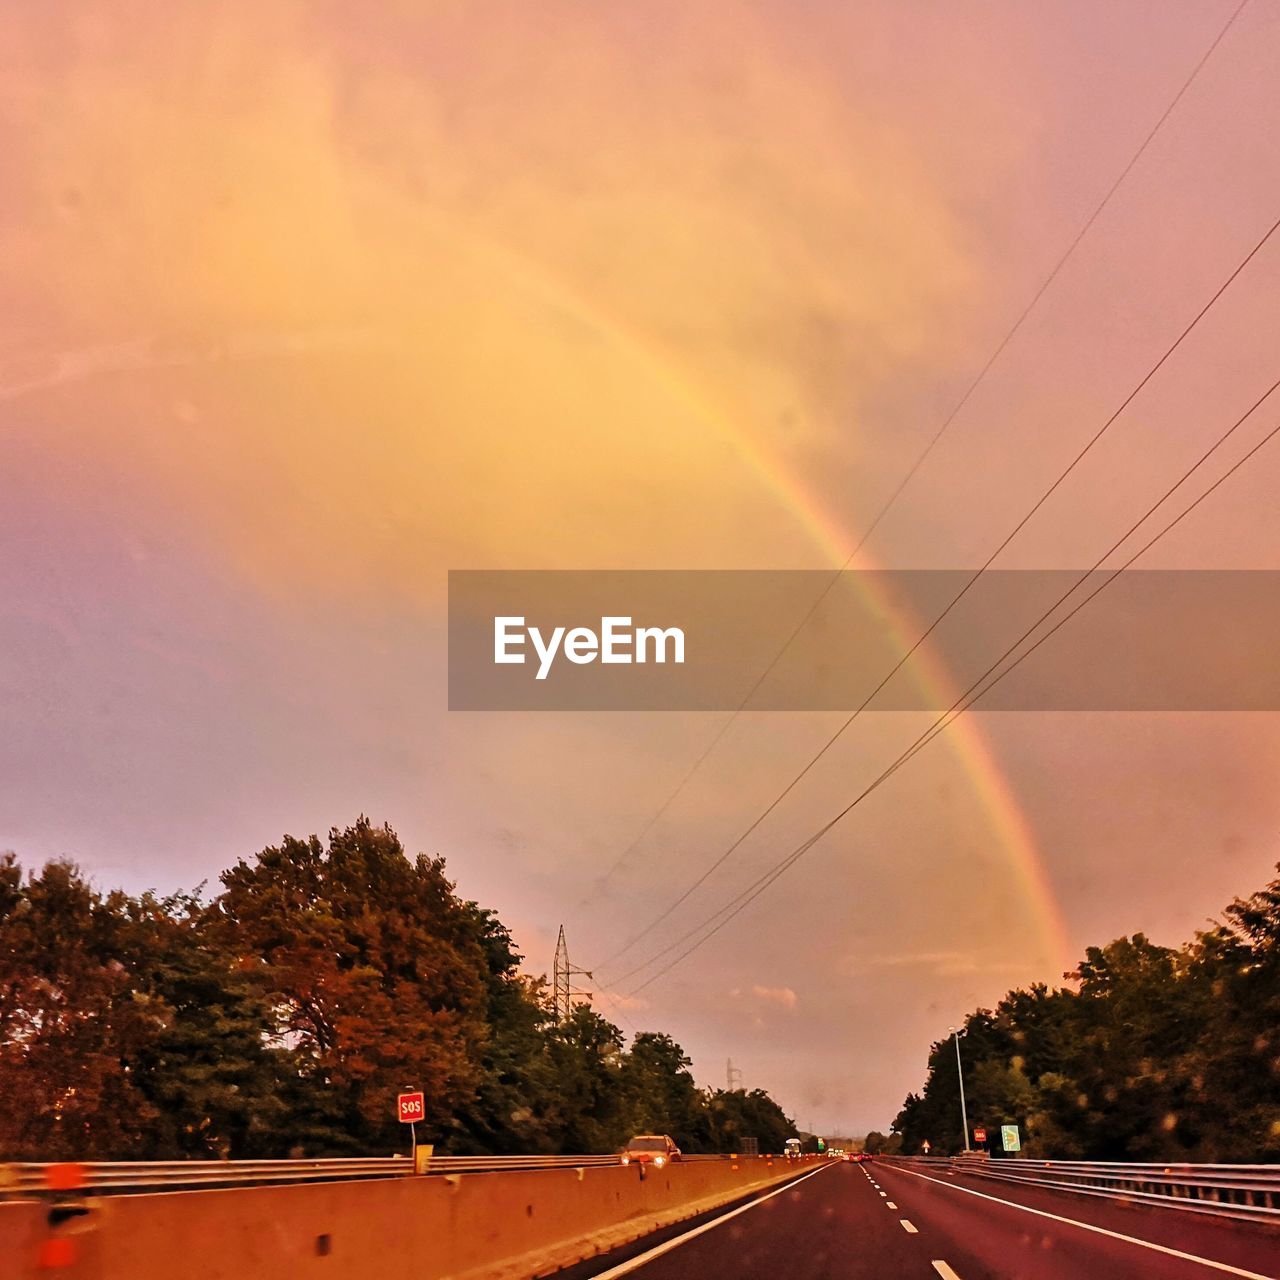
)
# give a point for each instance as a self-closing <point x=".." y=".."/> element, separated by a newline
<point x="926" y="1146"/>
<point x="979" y="1134"/>
<point x="410" y="1107"/>
<point x="1010" y="1138"/>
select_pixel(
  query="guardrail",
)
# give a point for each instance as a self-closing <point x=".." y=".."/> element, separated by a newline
<point x="154" y="1175"/>
<point x="123" y="1177"/>
<point x="1248" y="1192"/>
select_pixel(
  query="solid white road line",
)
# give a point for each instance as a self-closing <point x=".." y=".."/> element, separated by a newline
<point x="908" y="1228"/>
<point x="640" y="1260"/>
<point x="944" y="1270"/>
<point x="1101" y="1231"/>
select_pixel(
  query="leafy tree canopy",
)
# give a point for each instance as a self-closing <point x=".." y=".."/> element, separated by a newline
<point x="1153" y="1053"/>
<point x="284" y="1014"/>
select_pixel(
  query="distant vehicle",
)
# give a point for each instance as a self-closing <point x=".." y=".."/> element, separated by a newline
<point x="792" y="1147"/>
<point x="656" y="1149"/>
<point x="856" y="1157"/>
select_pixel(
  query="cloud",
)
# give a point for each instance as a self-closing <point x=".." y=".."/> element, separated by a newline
<point x="777" y="995"/>
<point x="658" y="289"/>
<point x="783" y="996"/>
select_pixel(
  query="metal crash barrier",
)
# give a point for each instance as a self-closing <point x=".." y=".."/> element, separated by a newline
<point x="1243" y="1191"/>
<point x="122" y="1177"/>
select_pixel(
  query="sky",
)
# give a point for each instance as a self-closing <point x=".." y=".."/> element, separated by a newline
<point x="300" y="312"/>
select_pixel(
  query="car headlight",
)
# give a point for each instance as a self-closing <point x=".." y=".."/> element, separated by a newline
<point x="626" y="1159"/>
<point x="659" y="1161"/>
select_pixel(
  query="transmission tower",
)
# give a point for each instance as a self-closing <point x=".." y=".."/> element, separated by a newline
<point x="733" y="1076"/>
<point x="563" y="993"/>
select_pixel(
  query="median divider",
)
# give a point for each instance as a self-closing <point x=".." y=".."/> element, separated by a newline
<point x="502" y="1225"/>
<point x="22" y="1235"/>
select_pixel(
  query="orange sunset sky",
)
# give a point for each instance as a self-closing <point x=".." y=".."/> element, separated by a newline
<point x="305" y="304"/>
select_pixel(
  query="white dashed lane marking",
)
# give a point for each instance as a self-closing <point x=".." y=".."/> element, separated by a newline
<point x="1088" y="1226"/>
<point x="908" y="1228"/>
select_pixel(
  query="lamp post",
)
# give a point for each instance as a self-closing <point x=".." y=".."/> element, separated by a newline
<point x="964" y="1115"/>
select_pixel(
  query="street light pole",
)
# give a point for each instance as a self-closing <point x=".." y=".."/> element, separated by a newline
<point x="964" y="1115"/>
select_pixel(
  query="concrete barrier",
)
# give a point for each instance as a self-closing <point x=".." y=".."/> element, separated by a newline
<point x="22" y="1231"/>
<point x="502" y="1226"/>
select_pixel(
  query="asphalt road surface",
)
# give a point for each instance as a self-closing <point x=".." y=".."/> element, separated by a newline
<point x="846" y="1221"/>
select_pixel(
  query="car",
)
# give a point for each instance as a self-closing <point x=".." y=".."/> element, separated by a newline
<point x="656" y="1149"/>
<point x="856" y="1157"/>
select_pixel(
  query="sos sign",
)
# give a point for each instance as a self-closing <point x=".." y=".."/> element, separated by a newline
<point x="410" y="1108"/>
<point x="979" y="1135"/>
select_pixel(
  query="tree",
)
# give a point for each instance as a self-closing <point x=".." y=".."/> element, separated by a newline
<point x="215" y="1072"/>
<point x="1236" y="1057"/>
<point x="378" y="974"/>
<point x="1158" y="1053"/>
<point x="283" y="1017"/>
<point x="661" y="1094"/>
<point x="71" y="1022"/>
<point x="514" y="1107"/>
<point x="733" y="1115"/>
<point x="587" y="1061"/>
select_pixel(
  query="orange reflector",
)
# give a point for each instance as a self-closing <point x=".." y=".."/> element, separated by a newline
<point x="56" y="1253"/>
<point x="64" y="1177"/>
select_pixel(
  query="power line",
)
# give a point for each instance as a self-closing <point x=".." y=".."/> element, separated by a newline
<point x="965" y="701"/>
<point x="960" y="595"/>
<point x="893" y="497"/>
<point x="764" y="882"/>
<point x="956" y="710"/>
<point x="618" y="1011"/>
<point x="978" y="689"/>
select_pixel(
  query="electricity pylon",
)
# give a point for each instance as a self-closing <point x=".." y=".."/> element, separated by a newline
<point x="563" y="992"/>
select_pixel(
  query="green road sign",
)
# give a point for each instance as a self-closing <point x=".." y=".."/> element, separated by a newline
<point x="1009" y="1137"/>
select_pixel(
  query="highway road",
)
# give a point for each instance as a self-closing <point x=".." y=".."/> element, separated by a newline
<point x="846" y="1221"/>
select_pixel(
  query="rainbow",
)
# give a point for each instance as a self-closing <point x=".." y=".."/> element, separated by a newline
<point x="972" y="749"/>
<point x="988" y="782"/>
<point x="1022" y="854"/>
